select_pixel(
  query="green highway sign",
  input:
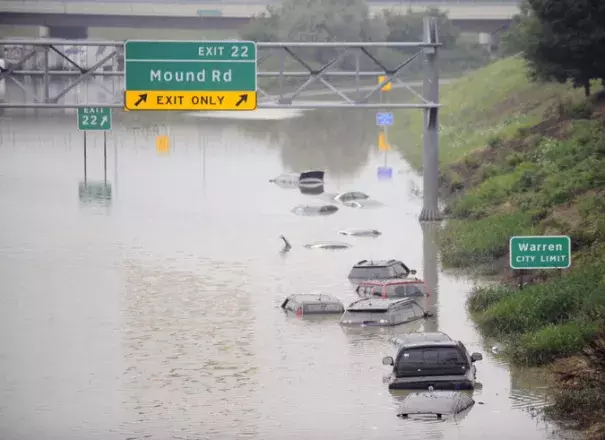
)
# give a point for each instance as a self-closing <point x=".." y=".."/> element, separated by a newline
<point x="190" y="75"/>
<point x="540" y="252"/>
<point x="94" y="119"/>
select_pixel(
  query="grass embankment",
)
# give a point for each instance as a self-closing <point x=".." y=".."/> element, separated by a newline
<point x="521" y="158"/>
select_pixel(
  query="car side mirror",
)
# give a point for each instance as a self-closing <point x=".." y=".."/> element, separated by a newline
<point x="476" y="357"/>
<point x="357" y="289"/>
<point x="413" y="272"/>
<point x="388" y="360"/>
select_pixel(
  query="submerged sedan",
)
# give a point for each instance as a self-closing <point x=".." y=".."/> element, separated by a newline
<point x="382" y="312"/>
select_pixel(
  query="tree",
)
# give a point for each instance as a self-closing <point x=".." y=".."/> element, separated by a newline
<point x="317" y="21"/>
<point x="409" y="27"/>
<point x="564" y="40"/>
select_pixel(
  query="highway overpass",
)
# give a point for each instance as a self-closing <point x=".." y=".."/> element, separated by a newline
<point x="469" y="15"/>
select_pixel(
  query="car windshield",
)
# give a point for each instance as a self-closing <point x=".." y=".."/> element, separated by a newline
<point x="369" y="273"/>
<point x="403" y="290"/>
<point x="319" y="308"/>
<point x="431" y="356"/>
<point x="361" y="316"/>
<point x="430" y="361"/>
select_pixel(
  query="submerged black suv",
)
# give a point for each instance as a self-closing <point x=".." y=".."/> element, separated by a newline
<point x="379" y="270"/>
<point x="432" y="360"/>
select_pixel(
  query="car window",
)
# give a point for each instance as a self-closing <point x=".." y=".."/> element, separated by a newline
<point x="293" y="306"/>
<point x="432" y="355"/>
<point x="360" y="317"/>
<point x="332" y="308"/>
<point x="418" y="311"/>
<point x="403" y="314"/>
<point x="309" y="308"/>
<point x="405" y="290"/>
<point x="369" y="273"/>
<point x="368" y="290"/>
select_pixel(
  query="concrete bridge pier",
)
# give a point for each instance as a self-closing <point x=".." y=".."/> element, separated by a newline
<point x="65" y="32"/>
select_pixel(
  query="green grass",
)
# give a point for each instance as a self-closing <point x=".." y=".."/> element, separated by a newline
<point x="521" y="158"/>
<point x="490" y="103"/>
<point x="485" y="240"/>
<point x="544" y="321"/>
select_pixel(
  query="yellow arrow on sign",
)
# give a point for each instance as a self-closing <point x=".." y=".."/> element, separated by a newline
<point x="383" y="144"/>
<point x="189" y="101"/>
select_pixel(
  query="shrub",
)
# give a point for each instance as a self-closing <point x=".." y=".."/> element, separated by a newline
<point x="482" y="298"/>
<point x="554" y="302"/>
<point x="551" y="342"/>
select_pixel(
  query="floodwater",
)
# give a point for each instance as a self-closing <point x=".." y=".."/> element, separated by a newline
<point x="155" y="315"/>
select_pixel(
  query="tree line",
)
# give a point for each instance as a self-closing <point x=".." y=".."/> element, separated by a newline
<point x="561" y="40"/>
<point x="350" y="20"/>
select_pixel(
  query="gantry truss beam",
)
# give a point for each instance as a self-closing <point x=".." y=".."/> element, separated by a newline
<point x="54" y="72"/>
<point x="44" y="92"/>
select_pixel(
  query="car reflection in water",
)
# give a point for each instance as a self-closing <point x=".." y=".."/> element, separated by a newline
<point x="454" y="404"/>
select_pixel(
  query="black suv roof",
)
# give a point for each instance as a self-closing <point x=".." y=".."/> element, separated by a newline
<point x="430" y="344"/>
<point x="376" y="263"/>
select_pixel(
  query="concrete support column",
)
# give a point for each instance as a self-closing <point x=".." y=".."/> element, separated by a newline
<point x="68" y="32"/>
<point x="430" y="133"/>
<point x="430" y="273"/>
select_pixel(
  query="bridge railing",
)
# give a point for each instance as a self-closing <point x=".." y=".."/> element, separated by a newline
<point x="275" y="2"/>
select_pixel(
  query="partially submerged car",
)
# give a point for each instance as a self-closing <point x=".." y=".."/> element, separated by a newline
<point x="359" y="232"/>
<point x="312" y="304"/>
<point x="350" y="196"/>
<point x="332" y="245"/>
<point x="379" y="270"/>
<point x="382" y="312"/>
<point x="307" y="179"/>
<point x="362" y="203"/>
<point x="314" y="209"/>
<point x="407" y="288"/>
<point x="432" y="363"/>
<point x="438" y="403"/>
<point x="311" y="179"/>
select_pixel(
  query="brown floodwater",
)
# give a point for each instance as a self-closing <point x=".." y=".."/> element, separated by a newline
<point x="156" y="314"/>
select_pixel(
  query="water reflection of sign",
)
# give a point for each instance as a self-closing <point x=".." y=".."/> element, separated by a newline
<point x="94" y="192"/>
<point x="162" y="144"/>
<point x="383" y="144"/>
<point x="385" y="173"/>
<point x="384" y="119"/>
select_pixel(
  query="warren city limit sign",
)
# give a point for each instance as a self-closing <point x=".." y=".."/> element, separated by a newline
<point x="540" y="252"/>
<point x="190" y="75"/>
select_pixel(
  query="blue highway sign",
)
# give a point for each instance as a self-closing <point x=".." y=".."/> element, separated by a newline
<point x="384" y="119"/>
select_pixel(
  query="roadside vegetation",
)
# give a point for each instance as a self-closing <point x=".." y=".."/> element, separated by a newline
<point x="324" y="21"/>
<point x="522" y="149"/>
